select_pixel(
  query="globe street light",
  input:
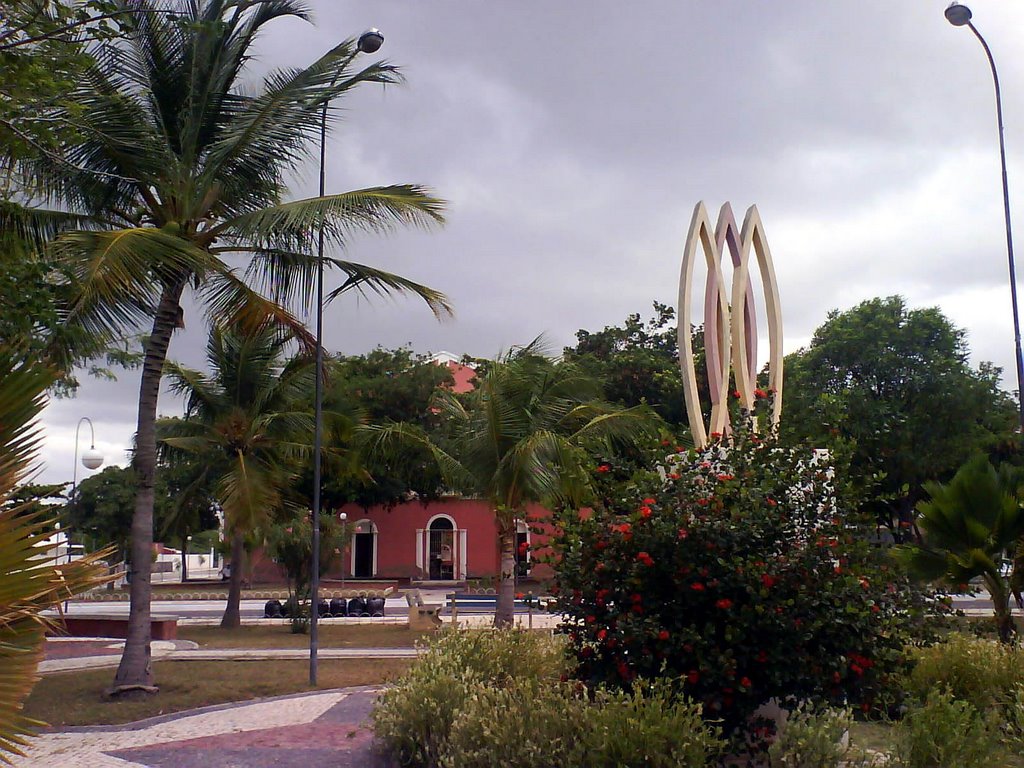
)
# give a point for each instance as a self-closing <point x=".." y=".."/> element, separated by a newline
<point x="959" y="15"/>
<point x="369" y="42"/>
<point x="91" y="459"/>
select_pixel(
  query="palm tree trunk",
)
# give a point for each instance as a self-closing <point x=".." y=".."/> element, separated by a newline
<point x="232" y="613"/>
<point x="136" y="670"/>
<point x="184" y="559"/>
<point x="504" y="609"/>
<point x="1000" y="596"/>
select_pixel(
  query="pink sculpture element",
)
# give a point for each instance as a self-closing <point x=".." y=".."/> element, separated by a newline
<point x="730" y="340"/>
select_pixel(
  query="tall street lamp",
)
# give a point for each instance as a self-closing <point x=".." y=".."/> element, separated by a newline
<point x="960" y="16"/>
<point x="91" y="459"/>
<point x="369" y="42"/>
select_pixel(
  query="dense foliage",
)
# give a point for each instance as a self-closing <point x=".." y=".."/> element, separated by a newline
<point x="384" y="386"/>
<point x="480" y="699"/>
<point x="638" y="363"/>
<point x="877" y="377"/>
<point x="742" y="572"/>
<point x="100" y="513"/>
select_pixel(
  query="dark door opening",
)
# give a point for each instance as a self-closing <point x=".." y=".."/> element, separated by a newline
<point x="363" y="568"/>
<point x="442" y="550"/>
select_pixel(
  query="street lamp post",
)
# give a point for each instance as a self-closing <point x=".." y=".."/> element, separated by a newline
<point x="91" y="459"/>
<point x="959" y="15"/>
<point x="344" y="546"/>
<point x="369" y="42"/>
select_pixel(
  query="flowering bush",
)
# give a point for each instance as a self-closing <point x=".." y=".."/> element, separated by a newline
<point x="738" y="570"/>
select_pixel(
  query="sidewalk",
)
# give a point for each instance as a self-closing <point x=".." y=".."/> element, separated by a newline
<point x="323" y="728"/>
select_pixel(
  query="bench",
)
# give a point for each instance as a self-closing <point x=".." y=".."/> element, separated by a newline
<point x="474" y="602"/>
<point x="163" y="627"/>
<point x="422" y="616"/>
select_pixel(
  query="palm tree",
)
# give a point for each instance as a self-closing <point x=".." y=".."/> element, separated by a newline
<point x="968" y="525"/>
<point x="248" y="420"/>
<point x="180" y="170"/>
<point x="28" y="585"/>
<point x="520" y="437"/>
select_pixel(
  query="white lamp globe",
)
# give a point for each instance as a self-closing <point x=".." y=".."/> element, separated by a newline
<point x="92" y="459"/>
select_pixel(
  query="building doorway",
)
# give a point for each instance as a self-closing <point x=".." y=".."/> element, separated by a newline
<point x="522" y="550"/>
<point x="364" y="550"/>
<point x="441" y="550"/>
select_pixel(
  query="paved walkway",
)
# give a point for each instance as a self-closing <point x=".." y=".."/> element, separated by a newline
<point x="328" y="728"/>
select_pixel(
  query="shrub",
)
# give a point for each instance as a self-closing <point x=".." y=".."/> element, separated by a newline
<point x="651" y="725"/>
<point x="533" y="723"/>
<point x="982" y="672"/>
<point x="815" y="737"/>
<point x="413" y="718"/>
<point x="743" y="573"/>
<point x="526" y="724"/>
<point x="1013" y="723"/>
<point x="941" y="733"/>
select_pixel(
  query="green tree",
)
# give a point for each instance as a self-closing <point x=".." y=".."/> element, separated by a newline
<point x="381" y="387"/>
<point x="247" y="420"/>
<point x="969" y="523"/>
<point x="290" y="544"/>
<point x="180" y="165"/>
<point x="100" y="514"/>
<point x="896" y="384"/>
<point x="524" y="435"/>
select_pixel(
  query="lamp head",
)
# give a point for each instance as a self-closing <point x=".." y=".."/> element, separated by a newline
<point x="92" y="459"/>
<point x="958" y="15"/>
<point x="370" y="41"/>
<point x="343" y="517"/>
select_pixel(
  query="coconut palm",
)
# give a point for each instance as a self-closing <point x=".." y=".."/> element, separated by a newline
<point x="248" y="420"/>
<point x="520" y="437"/>
<point x="28" y="585"/>
<point x="968" y="524"/>
<point x="180" y="168"/>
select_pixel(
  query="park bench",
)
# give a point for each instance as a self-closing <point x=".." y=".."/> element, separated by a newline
<point x="477" y="602"/>
<point x="98" y="625"/>
<point x="421" y="615"/>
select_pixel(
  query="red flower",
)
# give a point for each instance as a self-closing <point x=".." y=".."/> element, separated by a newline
<point x="736" y="393"/>
<point x="602" y="634"/>
<point x="768" y="581"/>
<point x="723" y="478"/>
<point x="603" y="468"/>
<point x="663" y="635"/>
<point x="760" y="394"/>
<point x="745" y="682"/>
<point x="697" y="586"/>
<point x="645" y="558"/>
<point x="645" y="512"/>
<point x="771" y="502"/>
<point x="673" y="475"/>
<point x="591" y="619"/>
<point x="702" y="502"/>
<point x="649" y="501"/>
<point x="725" y="604"/>
<point x="693" y="677"/>
<point x="716" y="435"/>
<point x="683" y="533"/>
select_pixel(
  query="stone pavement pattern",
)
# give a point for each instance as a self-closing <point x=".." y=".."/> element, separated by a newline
<point x="326" y="728"/>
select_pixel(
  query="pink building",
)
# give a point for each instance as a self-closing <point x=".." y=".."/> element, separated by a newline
<point x="452" y="539"/>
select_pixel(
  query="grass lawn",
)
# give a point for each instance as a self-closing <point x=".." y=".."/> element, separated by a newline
<point x="76" y="698"/>
<point x="878" y="736"/>
<point x="280" y="636"/>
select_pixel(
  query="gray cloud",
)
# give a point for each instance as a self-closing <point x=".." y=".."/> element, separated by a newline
<point x="572" y="140"/>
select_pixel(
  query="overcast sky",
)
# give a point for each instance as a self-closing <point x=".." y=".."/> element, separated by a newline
<point x="572" y="140"/>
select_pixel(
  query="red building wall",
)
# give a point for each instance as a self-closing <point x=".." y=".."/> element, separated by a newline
<point x="403" y="547"/>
